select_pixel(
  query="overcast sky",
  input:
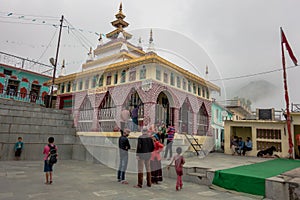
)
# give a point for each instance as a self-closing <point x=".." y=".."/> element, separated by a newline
<point x="234" y="38"/>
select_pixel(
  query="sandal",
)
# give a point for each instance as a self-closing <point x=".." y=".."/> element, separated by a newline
<point x="137" y="186"/>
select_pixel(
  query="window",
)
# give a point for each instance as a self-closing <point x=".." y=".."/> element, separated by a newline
<point x="143" y="73"/>
<point x="207" y="93"/>
<point x="116" y="78"/>
<point x="184" y="84"/>
<point x="108" y="79"/>
<point x="199" y="91"/>
<point x="80" y="85"/>
<point x="203" y="92"/>
<point x="194" y="88"/>
<point x="132" y="75"/>
<point x="69" y="87"/>
<point x="74" y="84"/>
<point x="62" y="88"/>
<point x="94" y="82"/>
<point x="166" y="77"/>
<point x="189" y="86"/>
<point x="86" y="84"/>
<point x="172" y="79"/>
<point x="158" y="74"/>
<point x="100" y="82"/>
<point x="178" y="82"/>
<point x="7" y="72"/>
<point x="123" y="76"/>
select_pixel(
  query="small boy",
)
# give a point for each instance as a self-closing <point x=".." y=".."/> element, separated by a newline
<point x="48" y="168"/>
<point x="179" y="162"/>
<point x="18" y="148"/>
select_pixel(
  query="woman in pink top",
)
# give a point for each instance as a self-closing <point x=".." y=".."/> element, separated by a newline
<point x="155" y="161"/>
<point x="48" y="168"/>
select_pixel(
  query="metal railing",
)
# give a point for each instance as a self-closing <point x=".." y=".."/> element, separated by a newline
<point x="295" y="107"/>
<point x="26" y="64"/>
<point x="32" y="98"/>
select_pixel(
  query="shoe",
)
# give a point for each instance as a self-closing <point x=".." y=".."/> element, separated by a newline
<point x="124" y="182"/>
<point x="50" y="182"/>
<point x="137" y="186"/>
<point x="177" y="188"/>
<point x="181" y="187"/>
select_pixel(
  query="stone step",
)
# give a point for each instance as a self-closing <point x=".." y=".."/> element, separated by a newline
<point x="199" y="175"/>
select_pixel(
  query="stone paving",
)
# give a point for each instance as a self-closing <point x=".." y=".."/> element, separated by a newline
<point x="22" y="180"/>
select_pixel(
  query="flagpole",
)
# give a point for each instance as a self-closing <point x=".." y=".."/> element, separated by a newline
<point x="288" y="116"/>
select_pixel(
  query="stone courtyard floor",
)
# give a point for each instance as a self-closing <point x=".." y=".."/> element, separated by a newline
<point x="22" y="180"/>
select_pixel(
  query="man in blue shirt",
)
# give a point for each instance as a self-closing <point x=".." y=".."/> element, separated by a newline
<point x="248" y="145"/>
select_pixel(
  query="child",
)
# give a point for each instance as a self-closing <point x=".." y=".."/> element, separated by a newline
<point x="18" y="148"/>
<point x="179" y="162"/>
<point x="48" y="168"/>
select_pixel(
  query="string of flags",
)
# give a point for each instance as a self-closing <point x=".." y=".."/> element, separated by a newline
<point x="41" y="20"/>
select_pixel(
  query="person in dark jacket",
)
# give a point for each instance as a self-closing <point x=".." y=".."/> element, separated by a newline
<point x="124" y="146"/>
<point x="145" y="146"/>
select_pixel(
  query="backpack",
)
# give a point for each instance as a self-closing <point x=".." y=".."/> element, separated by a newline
<point x="52" y="157"/>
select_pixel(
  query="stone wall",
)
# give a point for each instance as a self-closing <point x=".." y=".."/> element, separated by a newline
<point x="35" y="124"/>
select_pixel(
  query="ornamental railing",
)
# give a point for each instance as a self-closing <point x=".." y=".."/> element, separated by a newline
<point x="295" y="107"/>
<point x="32" y="98"/>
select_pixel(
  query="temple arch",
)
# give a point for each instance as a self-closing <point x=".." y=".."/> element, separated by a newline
<point x="85" y="119"/>
<point x="107" y="114"/>
<point x="202" y="121"/>
<point x="186" y="117"/>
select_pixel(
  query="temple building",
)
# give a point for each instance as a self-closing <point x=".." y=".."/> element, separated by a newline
<point x="119" y="74"/>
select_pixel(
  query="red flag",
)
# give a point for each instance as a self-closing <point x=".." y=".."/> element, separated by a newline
<point x="288" y="47"/>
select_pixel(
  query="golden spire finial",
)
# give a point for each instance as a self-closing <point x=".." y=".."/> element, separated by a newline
<point x="120" y="8"/>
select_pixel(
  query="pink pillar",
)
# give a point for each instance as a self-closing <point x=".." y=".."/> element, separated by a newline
<point x="76" y="117"/>
<point x="118" y="115"/>
<point x="149" y="113"/>
<point x="176" y="119"/>
<point x="194" y="123"/>
<point x="95" y="124"/>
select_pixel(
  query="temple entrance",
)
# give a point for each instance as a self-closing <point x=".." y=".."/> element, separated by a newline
<point x="132" y="101"/>
<point x="163" y="111"/>
<point x="185" y="118"/>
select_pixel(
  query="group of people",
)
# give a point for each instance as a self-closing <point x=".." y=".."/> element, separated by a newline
<point x="149" y="147"/>
<point x="240" y="147"/>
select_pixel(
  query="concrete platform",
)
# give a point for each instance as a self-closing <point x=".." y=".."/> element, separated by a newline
<point x="77" y="180"/>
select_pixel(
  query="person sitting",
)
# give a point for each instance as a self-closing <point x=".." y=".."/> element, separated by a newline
<point x="248" y="145"/>
<point x="234" y="144"/>
<point x="240" y="146"/>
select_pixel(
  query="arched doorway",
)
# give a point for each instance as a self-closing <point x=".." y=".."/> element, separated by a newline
<point x="135" y="100"/>
<point x="107" y="113"/>
<point x="186" y="118"/>
<point x="163" y="111"/>
<point x="85" y="120"/>
<point x="202" y="121"/>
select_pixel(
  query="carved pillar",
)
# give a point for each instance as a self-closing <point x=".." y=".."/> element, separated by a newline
<point x="194" y="123"/>
<point x="76" y="117"/>
<point x="118" y="115"/>
<point x="95" y="124"/>
<point x="57" y="103"/>
<point x="176" y="119"/>
<point x="149" y="113"/>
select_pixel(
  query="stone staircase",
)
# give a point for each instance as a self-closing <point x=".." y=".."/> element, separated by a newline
<point x="35" y="124"/>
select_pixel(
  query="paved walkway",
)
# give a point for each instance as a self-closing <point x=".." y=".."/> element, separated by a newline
<point x="22" y="180"/>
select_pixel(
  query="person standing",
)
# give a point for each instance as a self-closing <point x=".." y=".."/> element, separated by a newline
<point x="19" y="146"/>
<point x="298" y="144"/>
<point x="179" y="162"/>
<point x="155" y="161"/>
<point x="163" y="133"/>
<point x="134" y="117"/>
<point x="170" y="138"/>
<point x="125" y="116"/>
<point x="145" y="146"/>
<point x="124" y="146"/>
<point x="48" y="168"/>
